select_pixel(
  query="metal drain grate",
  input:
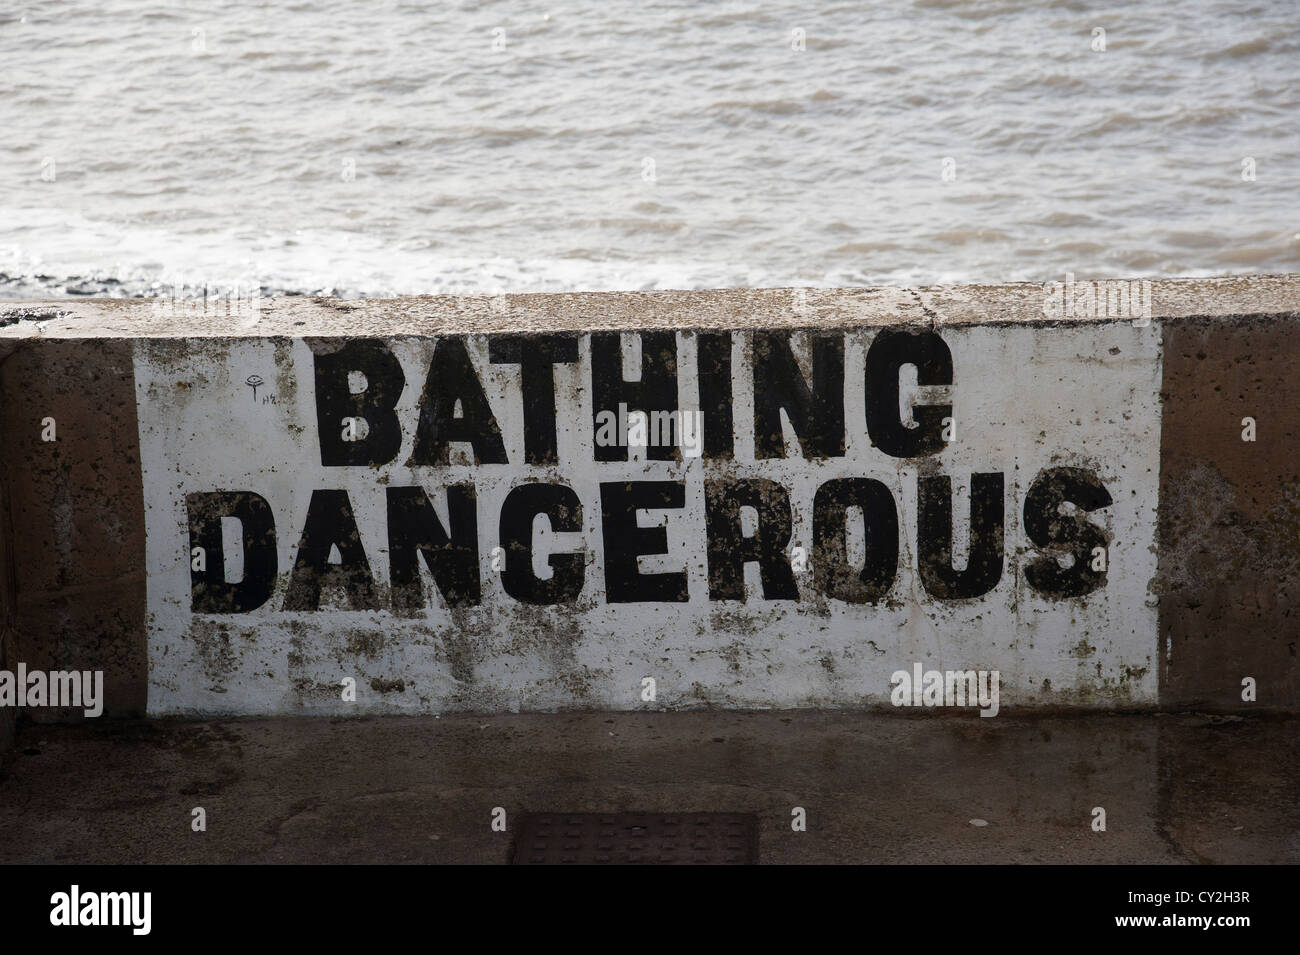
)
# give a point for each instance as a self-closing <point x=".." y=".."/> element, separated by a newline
<point x="636" y="838"/>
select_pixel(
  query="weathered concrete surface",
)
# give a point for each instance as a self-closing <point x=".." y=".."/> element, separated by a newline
<point x="76" y="517"/>
<point x="1226" y="511"/>
<point x="1177" y="789"/>
<point x="1172" y="299"/>
<point x="9" y="715"/>
<point x="1230" y="511"/>
<point x="740" y="309"/>
<point x="8" y="632"/>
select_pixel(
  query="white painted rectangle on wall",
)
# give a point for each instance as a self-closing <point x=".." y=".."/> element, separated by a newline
<point x="241" y="415"/>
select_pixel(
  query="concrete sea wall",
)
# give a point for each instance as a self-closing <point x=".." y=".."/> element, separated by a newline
<point x="777" y="498"/>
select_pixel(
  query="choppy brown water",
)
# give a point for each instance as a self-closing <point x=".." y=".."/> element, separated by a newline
<point x="395" y="147"/>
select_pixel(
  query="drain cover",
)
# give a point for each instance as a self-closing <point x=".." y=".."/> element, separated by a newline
<point x="632" y="838"/>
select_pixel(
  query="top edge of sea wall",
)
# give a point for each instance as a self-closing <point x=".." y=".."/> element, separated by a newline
<point x="189" y="316"/>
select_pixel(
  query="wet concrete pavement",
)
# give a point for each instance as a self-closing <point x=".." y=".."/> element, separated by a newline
<point x="876" y="788"/>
